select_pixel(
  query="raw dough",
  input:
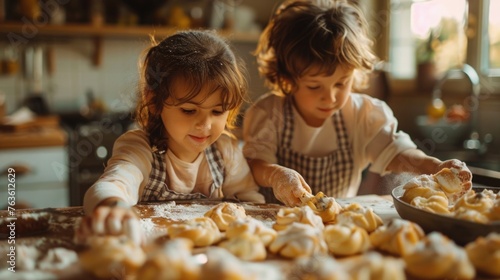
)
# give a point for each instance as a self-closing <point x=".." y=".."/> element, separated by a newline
<point x="363" y="217"/>
<point x="398" y="237"/>
<point x="299" y="240"/>
<point x="201" y="230"/>
<point x="252" y="226"/>
<point x="246" y="246"/>
<point x="111" y="256"/>
<point x="346" y="240"/>
<point x="225" y="213"/>
<point x="304" y="214"/>
<point x="172" y="260"/>
<point x="437" y="257"/>
<point x="374" y="266"/>
<point x="484" y="253"/>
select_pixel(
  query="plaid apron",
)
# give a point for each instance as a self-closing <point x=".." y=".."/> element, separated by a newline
<point x="330" y="174"/>
<point x="157" y="188"/>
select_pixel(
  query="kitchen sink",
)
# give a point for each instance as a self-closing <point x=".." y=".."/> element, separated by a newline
<point x="485" y="168"/>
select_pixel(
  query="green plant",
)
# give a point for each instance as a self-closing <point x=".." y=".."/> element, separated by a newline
<point x="427" y="48"/>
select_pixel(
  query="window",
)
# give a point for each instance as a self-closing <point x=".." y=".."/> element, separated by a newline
<point x="448" y="32"/>
<point x="494" y="36"/>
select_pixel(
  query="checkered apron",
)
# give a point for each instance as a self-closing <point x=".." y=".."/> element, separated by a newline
<point x="330" y="174"/>
<point x="157" y="189"/>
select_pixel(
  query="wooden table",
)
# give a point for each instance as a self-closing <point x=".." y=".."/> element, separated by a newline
<point x="155" y="218"/>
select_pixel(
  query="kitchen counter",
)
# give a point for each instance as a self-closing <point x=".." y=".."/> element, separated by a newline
<point x="154" y="218"/>
<point x="33" y="138"/>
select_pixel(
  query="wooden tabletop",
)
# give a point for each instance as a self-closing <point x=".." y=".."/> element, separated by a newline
<point x="57" y="231"/>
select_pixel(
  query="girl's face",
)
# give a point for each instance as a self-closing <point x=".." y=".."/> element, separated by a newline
<point x="193" y="126"/>
<point x="317" y="97"/>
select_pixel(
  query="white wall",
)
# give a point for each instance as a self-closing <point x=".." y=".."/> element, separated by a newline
<point x="114" y="81"/>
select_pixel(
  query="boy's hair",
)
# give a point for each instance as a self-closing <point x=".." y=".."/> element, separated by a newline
<point x="321" y="34"/>
<point x="200" y="58"/>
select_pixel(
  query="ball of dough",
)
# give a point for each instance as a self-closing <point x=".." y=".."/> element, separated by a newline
<point x="437" y="257"/>
<point x="319" y="267"/>
<point x="299" y="240"/>
<point x="245" y="246"/>
<point x="225" y="213"/>
<point x="222" y="265"/>
<point x="373" y="265"/>
<point x="325" y="207"/>
<point x="484" y="253"/>
<point x="171" y="260"/>
<point x="494" y="214"/>
<point x="471" y="215"/>
<point x="450" y="183"/>
<point x="346" y="240"/>
<point x="434" y="204"/>
<point x="201" y="230"/>
<point x="398" y="237"/>
<point x="111" y="256"/>
<point x="304" y="215"/>
<point x="363" y="217"/>
<point x="421" y="186"/>
<point x="251" y="226"/>
<point x="481" y="202"/>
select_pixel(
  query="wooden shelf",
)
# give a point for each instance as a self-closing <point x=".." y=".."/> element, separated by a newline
<point x="19" y="32"/>
<point x="106" y="31"/>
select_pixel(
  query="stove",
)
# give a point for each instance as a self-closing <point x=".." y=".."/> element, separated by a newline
<point x="90" y="145"/>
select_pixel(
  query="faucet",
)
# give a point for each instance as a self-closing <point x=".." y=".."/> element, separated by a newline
<point x="473" y="142"/>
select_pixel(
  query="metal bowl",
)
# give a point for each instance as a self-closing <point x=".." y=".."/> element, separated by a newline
<point x="460" y="231"/>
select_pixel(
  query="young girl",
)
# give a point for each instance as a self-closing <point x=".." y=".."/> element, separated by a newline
<point x="191" y="89"/>
<point x="312" y="131"/>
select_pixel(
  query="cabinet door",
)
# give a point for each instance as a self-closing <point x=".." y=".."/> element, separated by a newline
<point x="48" y="164"/>
<point x="43" y="183"/>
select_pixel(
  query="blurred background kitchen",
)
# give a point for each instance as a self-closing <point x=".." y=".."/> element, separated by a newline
<point x="68" y="79"/>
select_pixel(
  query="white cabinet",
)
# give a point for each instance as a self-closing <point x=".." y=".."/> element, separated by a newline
<point x="44" y="184"/>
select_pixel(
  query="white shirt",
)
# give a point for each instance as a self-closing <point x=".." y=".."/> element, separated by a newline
<point x="127" y="172"/>
<point x="370" y="123"/>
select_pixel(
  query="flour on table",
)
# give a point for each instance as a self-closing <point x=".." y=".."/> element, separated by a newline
<point x="180" y="212"/>
<point x="58" y="258"/>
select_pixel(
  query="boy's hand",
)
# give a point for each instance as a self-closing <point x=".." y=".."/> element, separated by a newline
<point x="288" y="186"/>
<point x="110" y="219"/>
<point x="461" y="169"/>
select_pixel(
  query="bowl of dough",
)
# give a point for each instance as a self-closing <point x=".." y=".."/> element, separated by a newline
<point x="437" y="203"/>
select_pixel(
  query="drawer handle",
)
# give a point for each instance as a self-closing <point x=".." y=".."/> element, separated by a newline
<point x="21" y="169"/>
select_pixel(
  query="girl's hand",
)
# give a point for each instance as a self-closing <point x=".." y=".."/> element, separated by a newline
<point x="461" y="169"/>
<point x="288" y="186"/>
<point x="110" y="218"/>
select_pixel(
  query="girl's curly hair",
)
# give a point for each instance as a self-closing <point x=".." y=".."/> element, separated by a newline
<point x="200" y="58"/>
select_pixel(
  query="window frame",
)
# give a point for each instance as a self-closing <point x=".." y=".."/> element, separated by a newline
<point x="477" y="50"/>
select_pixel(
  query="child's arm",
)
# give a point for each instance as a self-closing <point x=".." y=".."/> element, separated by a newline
<point x="288" y="185"/>
<point x="108" y="202"/>
<point x="112" y="216"/>
<point x="417" y="162"/>
<point x="238" y="182"/>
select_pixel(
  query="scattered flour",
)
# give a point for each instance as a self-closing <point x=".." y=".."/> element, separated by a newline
<point x="58" y="258"/>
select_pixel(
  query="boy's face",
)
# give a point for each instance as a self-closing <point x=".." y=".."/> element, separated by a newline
<point x="318" y="96"/>
<point x="193" y="126"/>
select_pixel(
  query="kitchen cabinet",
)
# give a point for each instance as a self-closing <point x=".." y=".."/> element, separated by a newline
<point x="41" y="176"/>
<point x="40" y="160"/>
